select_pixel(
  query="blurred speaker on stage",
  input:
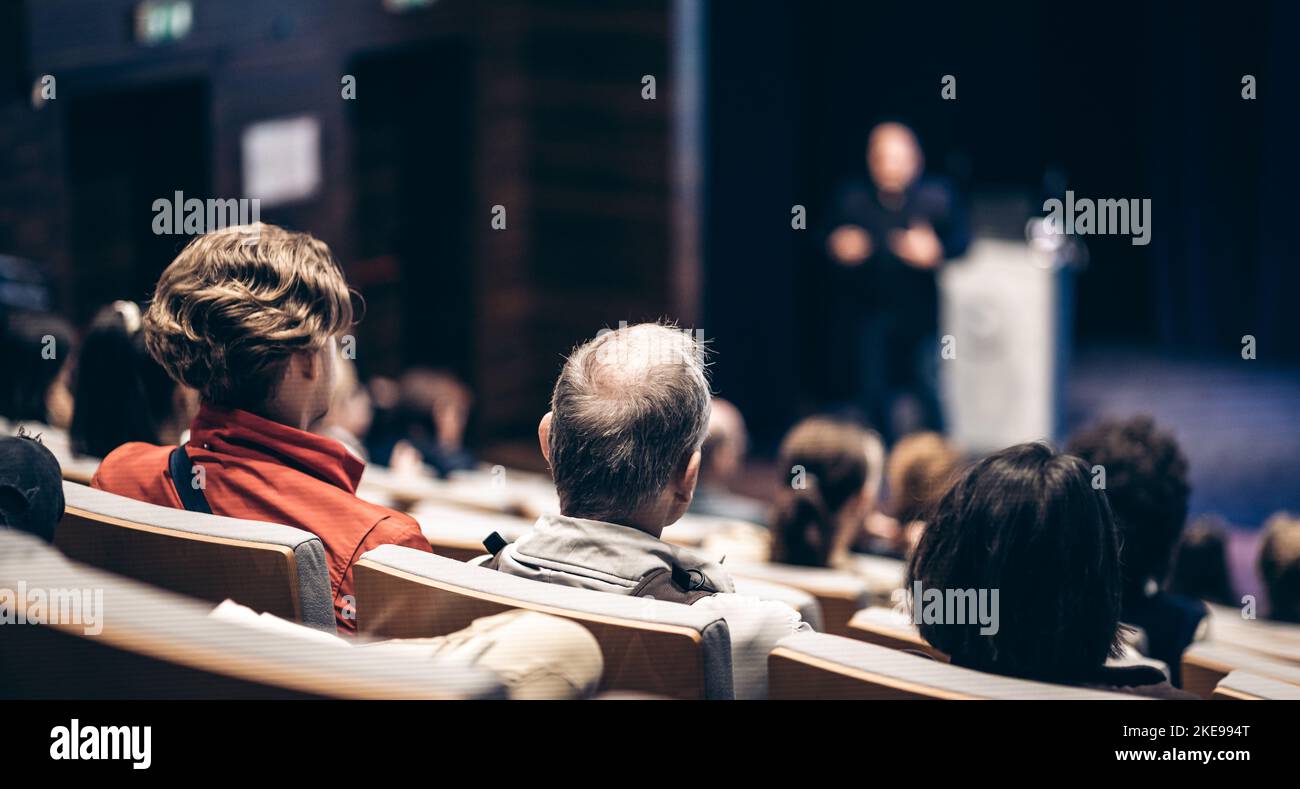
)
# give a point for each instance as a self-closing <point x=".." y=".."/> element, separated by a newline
<point x="890" y="233"/>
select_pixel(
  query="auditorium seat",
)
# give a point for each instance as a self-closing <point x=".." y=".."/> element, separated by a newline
<point x="1245" y="686"/>
<point x="508" y="490"/>
<point x="1206" y="663"/>
<point x="738" y="540"/>
<point x="1277" y="640"/>
<point x="822" y="666"/>
<point x="265" y="566"/>
<point x="458" y="533"/>
<point x="882" y="575"/>
<point x="887" y="628"/>
<point x="840" y="594"/>
<point x="55" y="439"/>
<point x="512" y="493"/>
<point x="78" y="469"/>
<point x="123" y="639"/>
<point x="381" y="486"/>
<point x="649" y="646"/>
<point x="806" y="604"/>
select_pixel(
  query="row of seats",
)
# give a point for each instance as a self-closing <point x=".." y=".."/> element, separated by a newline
<point x="826" y="598"/>
<point x="267" y="567"/>
<point x="141" y="642"/>
<point x="648" y="646"/>
<point x="1207" y="663"/>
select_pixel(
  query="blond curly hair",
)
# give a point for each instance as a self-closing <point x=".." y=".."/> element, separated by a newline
<point x="237" y="303"/>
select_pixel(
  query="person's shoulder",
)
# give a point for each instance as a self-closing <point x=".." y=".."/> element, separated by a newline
<point x="935" y="191"/>
<point x="1190" y="607"/>
<point x="395" y="528"/>
<point x="1168" y="607"/>
<point x="936" y="183"/>
<point x="129" y="464"/>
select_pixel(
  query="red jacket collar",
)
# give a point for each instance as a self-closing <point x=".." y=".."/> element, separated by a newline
<point x="247" y="435"/>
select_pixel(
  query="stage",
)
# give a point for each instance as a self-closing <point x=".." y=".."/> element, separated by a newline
<point x="1238" y="422"/>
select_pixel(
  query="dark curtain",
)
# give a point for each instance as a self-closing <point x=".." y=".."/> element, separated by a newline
<point x="1223" y="174"/>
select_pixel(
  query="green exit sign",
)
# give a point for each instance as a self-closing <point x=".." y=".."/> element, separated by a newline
<point x="163" y="21"/>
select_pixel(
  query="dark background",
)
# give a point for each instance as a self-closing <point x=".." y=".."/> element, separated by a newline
<point x="536" y="106"/>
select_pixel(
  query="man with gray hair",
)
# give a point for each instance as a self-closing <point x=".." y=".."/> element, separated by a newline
<point x="628" y="416"/>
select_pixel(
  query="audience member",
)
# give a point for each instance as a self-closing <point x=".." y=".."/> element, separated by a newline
<point x="34" y="351"/>
<point x="249" y="316"/>
<point x="1145" y="479"/>
<point x="722" y="460"/>
<point x="31" y="486"/>
<point x="429" y="412"/>
<point x="828" y="493"/>
<point x="1279" y="566"/>
<point x="122" y="394"/>
<point x="1199" y="568"/>
<point x="1024" y="532"/>
<point x="628" y="416"/>
<point x="920" y="466"/>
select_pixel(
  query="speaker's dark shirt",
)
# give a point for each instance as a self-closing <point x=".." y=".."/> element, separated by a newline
<point x="884" y="282"/>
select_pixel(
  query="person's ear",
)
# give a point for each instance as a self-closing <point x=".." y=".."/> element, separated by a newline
<point x="690" y="477"/>
<point x="544" y="436"/>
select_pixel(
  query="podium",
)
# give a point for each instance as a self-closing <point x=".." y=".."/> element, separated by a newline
<point x="1007" y="305"/>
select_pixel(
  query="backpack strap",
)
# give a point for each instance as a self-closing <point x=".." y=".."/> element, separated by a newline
<point x="182" y="470"/>
<point x="675" y="585"/>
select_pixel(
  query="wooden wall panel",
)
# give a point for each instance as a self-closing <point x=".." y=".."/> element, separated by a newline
<point x="557" y="132"/>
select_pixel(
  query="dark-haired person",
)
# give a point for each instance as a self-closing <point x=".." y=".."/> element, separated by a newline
<point x="122" y="394"/>
<point x="1027" y="524"/>
<point x="1146" y="483"/>
<point x="429" y="415"/>
<point x="249" y="317"/>
<point x="1199" y="568"/>
<point x="31" y="487"/>
<point x="35" y="348"/>
<point x="1279" y="566"/>
<point x="823" y="508"/>
<point x="628" y="416"/>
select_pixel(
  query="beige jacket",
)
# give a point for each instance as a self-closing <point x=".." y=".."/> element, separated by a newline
<point x="610" y="558"/>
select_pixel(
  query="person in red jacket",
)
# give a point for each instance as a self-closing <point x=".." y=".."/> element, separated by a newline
<point x="250" y="317"/>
